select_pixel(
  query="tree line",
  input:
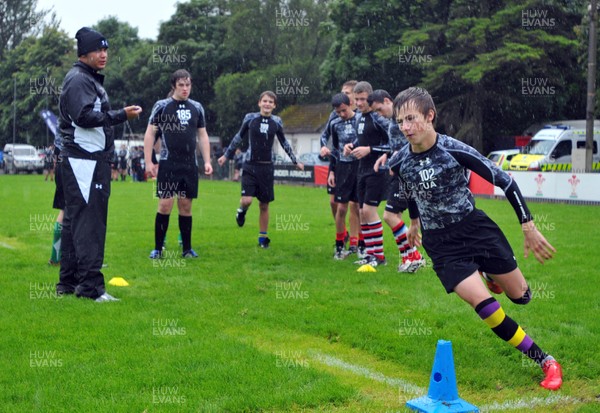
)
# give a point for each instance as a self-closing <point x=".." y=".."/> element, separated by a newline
<point x="493" y="67"/>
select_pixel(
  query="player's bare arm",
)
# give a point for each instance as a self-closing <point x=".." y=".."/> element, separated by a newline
<point x="151" y="167"/>
<point x="204" y="148"/>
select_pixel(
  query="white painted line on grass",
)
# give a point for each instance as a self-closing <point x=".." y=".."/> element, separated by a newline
<point x="373" y="375"/>
<point x="524" y="403"/>
<point x="10" y="247"/>
<point x="528" y="403"/>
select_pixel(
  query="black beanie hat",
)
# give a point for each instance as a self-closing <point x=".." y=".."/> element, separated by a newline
<point x="89" y="40"/>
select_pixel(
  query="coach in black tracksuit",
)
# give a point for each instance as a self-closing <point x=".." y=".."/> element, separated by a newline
<point x="85" y="126"/>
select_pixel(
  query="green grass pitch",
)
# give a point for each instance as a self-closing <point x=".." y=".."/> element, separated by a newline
<point x="281" y="330"/>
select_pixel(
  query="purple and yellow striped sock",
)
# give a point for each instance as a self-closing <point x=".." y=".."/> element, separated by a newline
<point x="507" y="329"/>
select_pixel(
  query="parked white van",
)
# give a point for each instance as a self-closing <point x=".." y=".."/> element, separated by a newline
<point x="551" y="149"/>
<point x="21" y="157"/>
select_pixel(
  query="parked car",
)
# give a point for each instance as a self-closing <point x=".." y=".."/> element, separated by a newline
<point x="22" y="157"/>
<point x="502" y="158"/>
<point x="313" y="158"/>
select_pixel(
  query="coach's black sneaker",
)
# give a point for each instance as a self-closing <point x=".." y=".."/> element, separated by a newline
<point x="189" y="254"/>
<point x="106" y="297"/>
<point x="264" y="243"/>
<point x="240" y="217"/>
<point x="155" y="255"/>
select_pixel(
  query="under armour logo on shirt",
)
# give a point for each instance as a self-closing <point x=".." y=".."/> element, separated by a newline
<point x="98" y="186"/>
<point x="425" y="162"/>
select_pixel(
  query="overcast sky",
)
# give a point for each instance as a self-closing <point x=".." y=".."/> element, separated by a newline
<point x="146" y="15"/>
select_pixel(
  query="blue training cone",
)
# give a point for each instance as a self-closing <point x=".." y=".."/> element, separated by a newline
<point x="443" y="394"/>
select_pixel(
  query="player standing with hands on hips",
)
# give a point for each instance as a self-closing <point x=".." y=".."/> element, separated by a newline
<point x="85" y="126"/>
<point x="461" y="240"/>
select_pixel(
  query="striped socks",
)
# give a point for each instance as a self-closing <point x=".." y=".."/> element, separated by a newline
<point x="373" y="233"/>
<point x="508" y="330"/>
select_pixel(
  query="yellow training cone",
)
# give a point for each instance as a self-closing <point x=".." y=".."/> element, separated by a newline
<point x="366" y="268"/>
<point x="118" y="281"/>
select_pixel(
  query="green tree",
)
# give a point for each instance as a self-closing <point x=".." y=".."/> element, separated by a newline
<point x="366" y="46"/>
<point x="290" y="44"/>
<point x="494" y="68"/>
<point x="18" y="20"/>
<point x="39" y="65"/>
<point x="502" y="68"/>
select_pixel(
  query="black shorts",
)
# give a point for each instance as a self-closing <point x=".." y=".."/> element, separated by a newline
<point x="371" y="187"/>
<point x="396" y="202"/>
<point x="345" y="182"/>
<point x="123" y="164"/>
<point x="475" y="243"/>
<point x="257" y="181"/>
<point x="59" y="196"/>
<point x="177" y="179"/>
